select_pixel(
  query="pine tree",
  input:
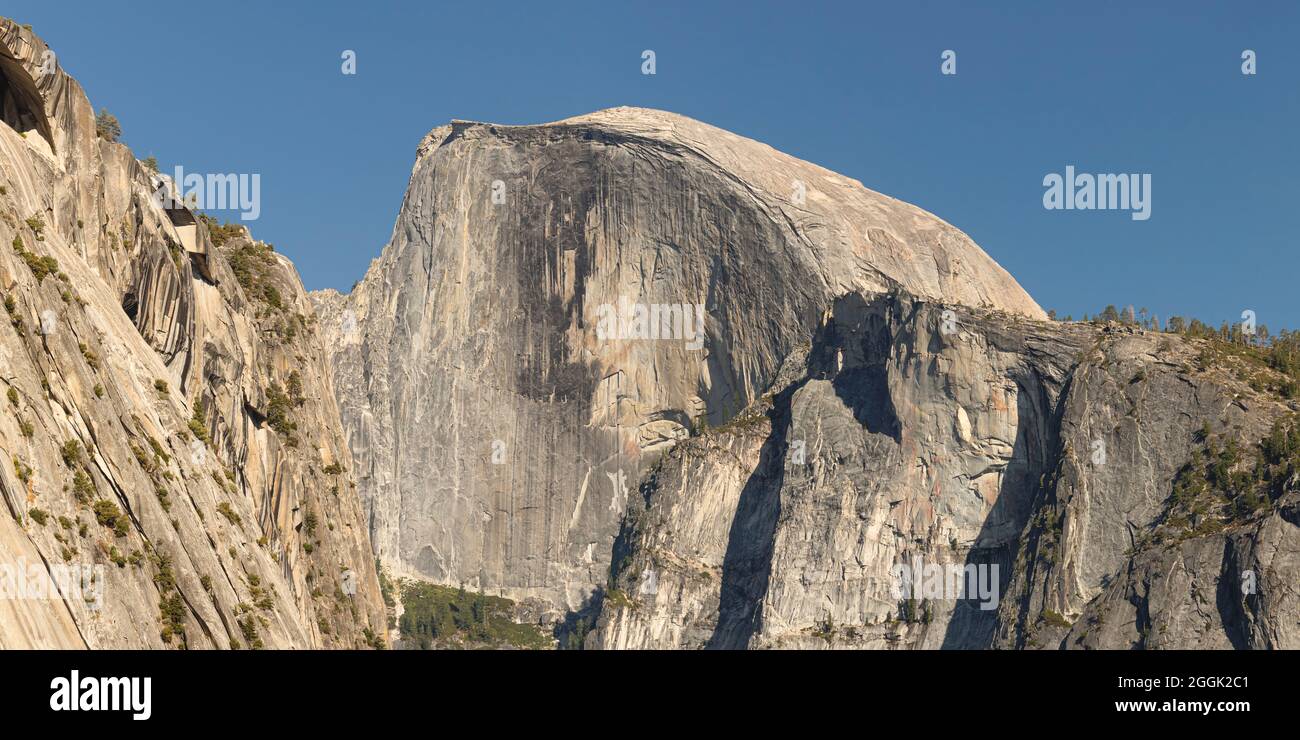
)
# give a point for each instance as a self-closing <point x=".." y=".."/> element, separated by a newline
<point x="107" y="127"/>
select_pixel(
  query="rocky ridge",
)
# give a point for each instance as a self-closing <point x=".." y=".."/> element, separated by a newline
<point x="1046" y="451"/>
<point x="170" y="429"/>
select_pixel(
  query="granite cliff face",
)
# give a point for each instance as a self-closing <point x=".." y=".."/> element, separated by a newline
<point x="497" y="428"/>
<point x="531" y="411"/>
<point x="1042" y="454"/>
<point x="170" y="430"/>
<point x="496" y="433"/>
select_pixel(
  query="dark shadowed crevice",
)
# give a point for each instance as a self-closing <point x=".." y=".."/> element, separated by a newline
<point x="1142" y="614"/>
<point x="1014" y="617"/>
<point x="571" y="632"/>
<point x="257" y="417"/>
<point x="1229" y="600"/>
<point x="853" y="350"/>
<point x="21" y="106"/>
<point x="974" y="621"/>
<point x="130" y="304"/>
<point x="747" y="564"/>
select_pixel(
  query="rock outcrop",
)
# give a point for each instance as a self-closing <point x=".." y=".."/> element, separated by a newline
<point x="170" y="431"/>
<point x="531" y="411"/>
<point x="1042" y="455"/>
<point x="497" y="430"/>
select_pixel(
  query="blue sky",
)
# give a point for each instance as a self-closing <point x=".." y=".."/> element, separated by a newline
<point x="853" y="86"/>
